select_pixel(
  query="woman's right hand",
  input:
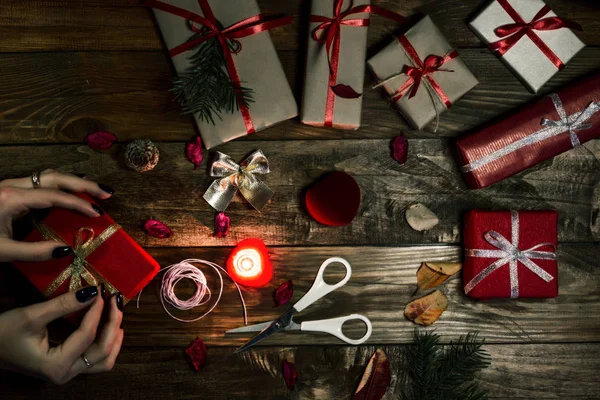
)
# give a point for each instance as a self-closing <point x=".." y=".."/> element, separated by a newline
<point x="24" y="345"/>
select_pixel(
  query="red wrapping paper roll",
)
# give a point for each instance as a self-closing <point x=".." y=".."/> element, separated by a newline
<point x="535" y="228"/>
<point x="470" y="148"/>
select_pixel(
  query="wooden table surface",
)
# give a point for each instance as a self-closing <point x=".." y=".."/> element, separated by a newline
<point x="69" y="68"/>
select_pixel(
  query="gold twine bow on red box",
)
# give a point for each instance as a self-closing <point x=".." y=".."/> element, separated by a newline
<point x="331" y="30"/>
<point x="517" y="30"/>
<point x="247" y="27"/>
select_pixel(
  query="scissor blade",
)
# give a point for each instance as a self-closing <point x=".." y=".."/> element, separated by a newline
<point x="250" y="328"/>
<point x="278" y="325"/>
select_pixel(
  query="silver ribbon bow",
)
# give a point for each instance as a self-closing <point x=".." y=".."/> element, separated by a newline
<point x="567" y="123"/>
<point x="243" y="177"/>
<point x="509" y="253"/>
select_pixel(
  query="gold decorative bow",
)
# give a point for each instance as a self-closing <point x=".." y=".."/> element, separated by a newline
<point x="233" y="177"/>
<point x="79" y="269"/>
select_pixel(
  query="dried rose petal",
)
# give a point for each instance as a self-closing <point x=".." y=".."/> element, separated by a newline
<point x="157" y="229"/>
<point x="193" y="152"/>
<point x="283" y="294"/>
<point x="100" y="140"/>
<point x="222" y="226"/>
<point x="400" y="149"/>
<point x="289" y="374"/>
<point x="196" y="353"/>
<point x="345" y="92"/>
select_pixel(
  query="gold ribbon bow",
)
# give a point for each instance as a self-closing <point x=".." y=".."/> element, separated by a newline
<point x="79" y="269"/>
<point x="243" y="177"/>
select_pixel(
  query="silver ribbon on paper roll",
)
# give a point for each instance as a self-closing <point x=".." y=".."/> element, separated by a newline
<point x="509" y="253"/>
<point x="567" y="123"/>
<point x="234" y="177"/>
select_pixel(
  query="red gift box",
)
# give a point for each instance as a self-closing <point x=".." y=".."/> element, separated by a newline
<point x="534" y="134"/>
<point x="104" y="253"/>
<point x="510" y="254"/>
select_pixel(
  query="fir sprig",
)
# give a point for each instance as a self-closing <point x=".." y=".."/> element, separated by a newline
<point x="206" y="88"/>
<point x="445" y="373"/>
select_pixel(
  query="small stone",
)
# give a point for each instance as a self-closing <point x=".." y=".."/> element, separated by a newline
<point x="421" y="218"/>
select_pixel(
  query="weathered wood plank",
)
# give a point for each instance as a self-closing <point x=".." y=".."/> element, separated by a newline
<point x="382" y="282"/>
<point x="173" y="191"/>
<point x="517" y="371"/>
<point x="115" y="25"/>
<point x="57" y="97"/>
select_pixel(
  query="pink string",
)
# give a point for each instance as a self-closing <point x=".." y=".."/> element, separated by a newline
<point x="185" y="270"/>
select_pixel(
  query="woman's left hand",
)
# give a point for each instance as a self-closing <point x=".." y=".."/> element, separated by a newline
<point x="18" y="196"/>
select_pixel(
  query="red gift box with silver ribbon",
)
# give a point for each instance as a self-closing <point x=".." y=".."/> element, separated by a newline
<point x="510" y="254"/>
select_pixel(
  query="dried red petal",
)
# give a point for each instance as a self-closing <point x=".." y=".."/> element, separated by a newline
<point x="345" y="92"/>
<point x="193" y="152"/>
<point x="100" y="140"/>
<point x="283" y="293"/>
<point x="196" y="353"/>
<point x="222" y="225"/>
<point x="400" y="149"/>
<point x="289" y="374"/>
<point x="157" y="229"/>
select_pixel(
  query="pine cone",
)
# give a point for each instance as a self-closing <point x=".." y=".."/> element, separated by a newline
<point x="141" y="155"/>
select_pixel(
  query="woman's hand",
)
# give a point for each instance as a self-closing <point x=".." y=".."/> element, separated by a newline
<point x="24" y="345"/>
<point x="17" y="196"/>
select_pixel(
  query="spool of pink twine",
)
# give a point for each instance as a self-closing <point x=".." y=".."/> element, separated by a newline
<point x="186" y="270"/>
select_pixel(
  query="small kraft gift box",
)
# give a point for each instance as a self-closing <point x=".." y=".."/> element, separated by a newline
<point x="529" y="37"/>
<point x="103" y="253"/>
<point x="422" y="73"/>
<point x="510" y="254"/>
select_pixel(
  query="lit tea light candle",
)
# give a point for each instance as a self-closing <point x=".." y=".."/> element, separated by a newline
<point x="249" y="263"/>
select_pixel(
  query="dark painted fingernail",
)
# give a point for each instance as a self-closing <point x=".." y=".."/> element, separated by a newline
<point x="103" y="291"/>
<point x="119" y="301"/>
<point x="97" y="209"/>
<point x="85" y="294"/>
<point x="106" y="188"/>
<point x="61" y="252"/>
<point x="80" y="175"/>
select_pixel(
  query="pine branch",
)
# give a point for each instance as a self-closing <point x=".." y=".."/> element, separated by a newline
<point x="206" y="88"/>
<point x="445" y="373"/>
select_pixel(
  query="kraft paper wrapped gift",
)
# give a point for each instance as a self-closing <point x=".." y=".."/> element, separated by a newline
<point x="537" y="53"/>
<point x="351" y="71"/>
<point x="444" y="80"/>
<point x="257" y="64"/>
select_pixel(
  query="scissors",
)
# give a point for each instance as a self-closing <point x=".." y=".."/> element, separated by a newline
<point x="332" y="326"/>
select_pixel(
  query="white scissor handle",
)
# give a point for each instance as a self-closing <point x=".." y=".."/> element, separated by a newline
<point x="333" y="326"/>
<point x="319" y="287"/>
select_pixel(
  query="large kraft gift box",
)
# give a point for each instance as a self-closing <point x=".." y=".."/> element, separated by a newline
<point x="422" y="73"/>
<point x="529" y="37"/>
<point x="546" y="128"/>
<point x="257" y="65"/>
<point x="103" y="253"/>
<point x="510" y="254"/>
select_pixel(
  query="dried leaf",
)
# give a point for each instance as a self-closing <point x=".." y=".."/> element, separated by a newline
<point x="431" y="275"/>
<point x="283" y="294"/>
<point x="400" y="149"/>
<point x="345" y="92"/>
<point x="376" y="378"/>
<point x="222" y="225"/>
<point x="427" y="309"/>
<point x="100" y="140"/>
<point x="196" y="353"/>
<point x="157" y="229"/>
<point x="193" y="152"/>
<point x="289" y="374"/>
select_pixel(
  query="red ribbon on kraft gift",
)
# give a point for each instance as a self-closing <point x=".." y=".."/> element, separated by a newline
<point x="331" y="36"/>
<point x="433" y="63"/>
<point x="520" y="28"/>
<point x="247" y="27"/>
